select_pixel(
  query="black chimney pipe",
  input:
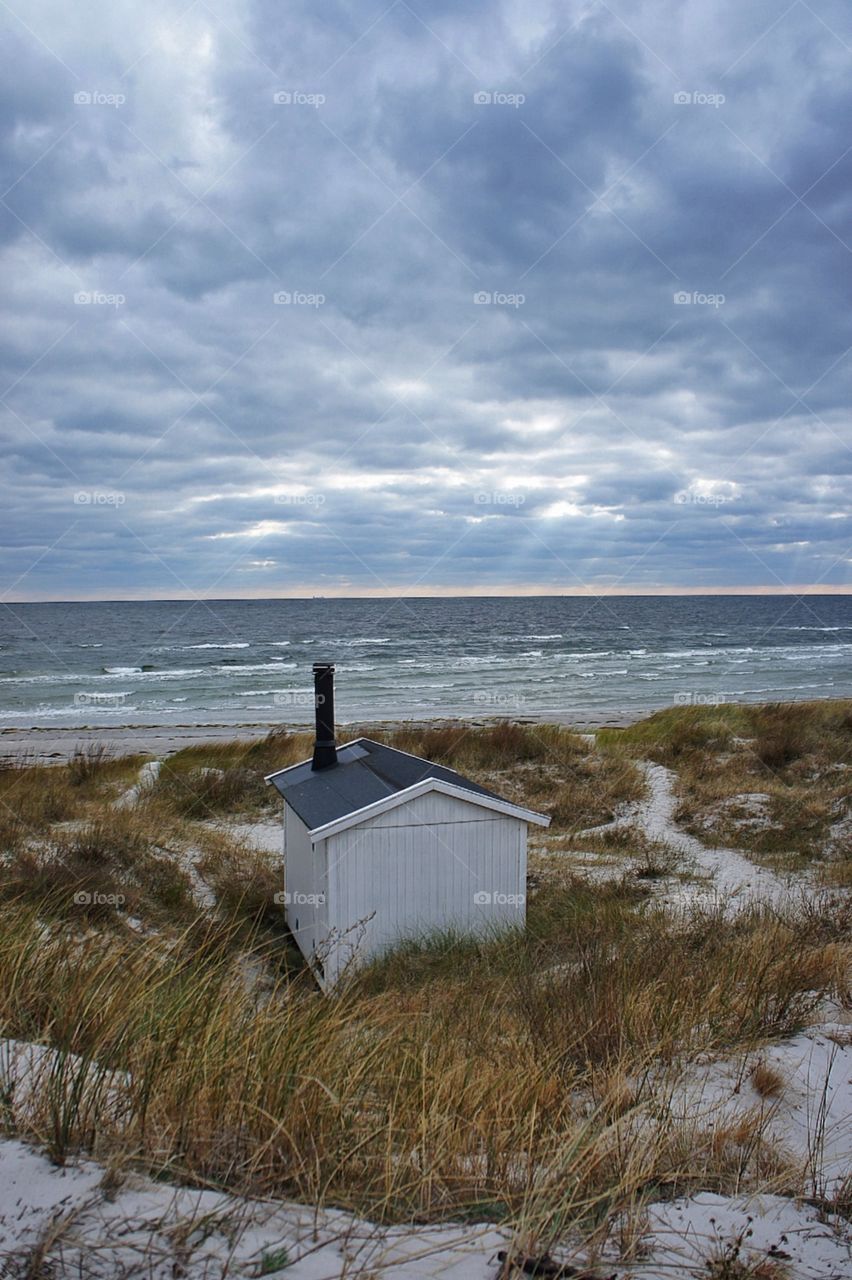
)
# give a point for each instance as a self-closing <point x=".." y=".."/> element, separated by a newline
<point x="325" y="748"/>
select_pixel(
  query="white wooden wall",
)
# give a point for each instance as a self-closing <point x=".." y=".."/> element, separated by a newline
<point x="419" y="867"/>
<point x="304" y="881"/>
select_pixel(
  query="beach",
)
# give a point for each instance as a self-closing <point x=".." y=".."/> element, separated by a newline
<point x="56" y="745"/>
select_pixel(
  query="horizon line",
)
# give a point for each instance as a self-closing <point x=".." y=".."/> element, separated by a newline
<point x="442" y="593"/>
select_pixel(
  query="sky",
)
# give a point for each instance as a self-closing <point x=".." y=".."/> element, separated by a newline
<point x="403" y="298"/>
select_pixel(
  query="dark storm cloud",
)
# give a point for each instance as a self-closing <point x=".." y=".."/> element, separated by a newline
<point x="286" y="305"/>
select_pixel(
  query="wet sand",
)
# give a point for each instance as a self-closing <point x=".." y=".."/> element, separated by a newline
<point x="54" y="745"/>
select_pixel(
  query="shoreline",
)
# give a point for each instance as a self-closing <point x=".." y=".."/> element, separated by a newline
<point x="46" y="745"/>
<point x="56" y="744"/>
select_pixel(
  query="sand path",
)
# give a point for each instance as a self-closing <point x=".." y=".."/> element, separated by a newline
<point x="729" y="874"/>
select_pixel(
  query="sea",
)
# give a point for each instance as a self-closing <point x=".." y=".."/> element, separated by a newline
<point x="249" y="662"/>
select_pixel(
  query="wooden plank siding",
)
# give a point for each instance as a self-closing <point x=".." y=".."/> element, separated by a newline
<point x="418" y="868"/>
<point x="304" y="882"/>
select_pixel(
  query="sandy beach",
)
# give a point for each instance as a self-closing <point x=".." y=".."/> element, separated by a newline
<point x="55" y="745"/>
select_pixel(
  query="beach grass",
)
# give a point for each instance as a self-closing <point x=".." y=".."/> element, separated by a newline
<point x="771" y="780"/>
<point x="521" y="1078"/>
<point x="546" y="767"/>
<point x="450" y="1078"/>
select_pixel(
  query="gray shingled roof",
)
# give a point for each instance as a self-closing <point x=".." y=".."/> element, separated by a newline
<point x="366" y="771"/>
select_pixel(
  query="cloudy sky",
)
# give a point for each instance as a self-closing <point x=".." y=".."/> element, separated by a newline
<point x="370" y="298"/>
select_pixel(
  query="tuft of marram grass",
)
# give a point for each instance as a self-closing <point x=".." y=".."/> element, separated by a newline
<point x="96" y="870"/>
<point x="87" y="762"/>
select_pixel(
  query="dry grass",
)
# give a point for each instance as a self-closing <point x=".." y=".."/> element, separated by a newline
<point x="507" y="1078"/>
<point x="98" y="869"/>
<point x="245" y="883"/>
<point x="446" y="1080"/>
<point x="88" y="762"/>
<point x="207" y="781"/>
<point x="207" y="792"/>
<point x="544" y="766"/>
<point x="34" y="797"/>
<point x="838" y="873"/>
<point x="797" y="755"/>
<point x="768" y="1082"/>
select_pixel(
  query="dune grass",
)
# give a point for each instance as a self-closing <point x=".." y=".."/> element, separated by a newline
<point x="517" y="1078"/>
<point x="98" y="869"/>
<point x="768" y="779"/>
<point x="226" y="778"/>
<point x="449" y="1079"/>
<point x="543" y="766"/>
<point x="35" y="797"/>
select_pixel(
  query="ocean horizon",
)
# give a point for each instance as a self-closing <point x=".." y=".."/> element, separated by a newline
<point x="114" y="663"/>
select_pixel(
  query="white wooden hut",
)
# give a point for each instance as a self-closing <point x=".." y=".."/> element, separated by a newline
<point x="380" y="845"/>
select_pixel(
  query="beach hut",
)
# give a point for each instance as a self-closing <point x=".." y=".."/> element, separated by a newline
<point x="381" y="845"/>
